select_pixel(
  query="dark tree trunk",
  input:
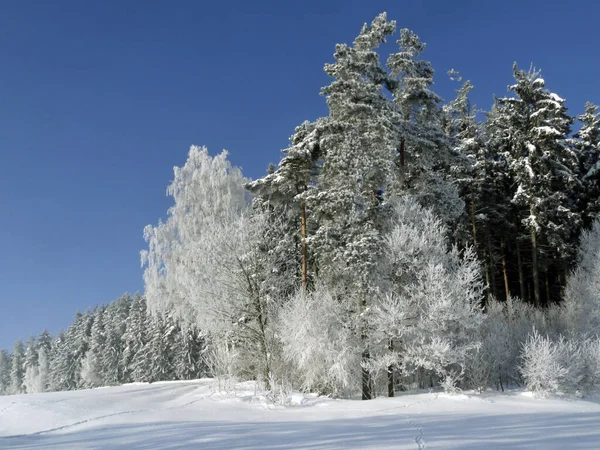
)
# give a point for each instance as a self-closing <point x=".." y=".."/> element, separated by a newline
<point x="504" y="270"/>
<point x="521" y="276"/>
<point x="390" y="372"/>
<point x="534" y="263"/>
<point x="304" y="246"/>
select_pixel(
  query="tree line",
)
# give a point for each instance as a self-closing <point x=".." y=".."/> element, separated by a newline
<point x="109" y="345"/>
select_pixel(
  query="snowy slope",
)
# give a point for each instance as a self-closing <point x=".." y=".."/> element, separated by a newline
<point x="192" y="415"/>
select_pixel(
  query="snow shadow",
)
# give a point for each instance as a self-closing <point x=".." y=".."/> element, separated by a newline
<point x="392" y="431"/>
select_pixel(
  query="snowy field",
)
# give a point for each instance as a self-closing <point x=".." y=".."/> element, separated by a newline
<point x="193" y="415"/>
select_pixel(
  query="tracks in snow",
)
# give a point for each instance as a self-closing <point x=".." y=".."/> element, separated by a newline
<point x="419" y="438"/>
<point x="93" y="419"/>
<point x="71" y="425"/>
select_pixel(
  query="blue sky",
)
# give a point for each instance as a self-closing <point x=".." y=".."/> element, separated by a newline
<point x="99" y="100"/>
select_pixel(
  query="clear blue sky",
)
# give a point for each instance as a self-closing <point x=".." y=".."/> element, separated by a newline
<point x="99" y="100"/>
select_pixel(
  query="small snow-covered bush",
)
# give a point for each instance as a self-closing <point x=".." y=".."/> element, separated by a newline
<point x="552" y="366"/>
<point x="591" y="356"/>
<point x="491" y="362"/>
<point x="318" y="339"/>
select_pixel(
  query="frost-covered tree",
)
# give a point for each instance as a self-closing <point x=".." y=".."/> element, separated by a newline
<point x="159" y="350"/>
<point x="543" y="167"/>
<point x="430" y="316"/>
<point x="92" y="371"/>
<point x="188" y="354"/>
<point x="358" y="144"/>
<point x="5" y="365"/>
<point x="133" y="340"/>
<point x="203" y="263"/>
<point x="68" y="350"/>
<point x="582" y="292"/>
<point x="587" y="144"/>
<point x="115" y="320"/>
<point x="319" y="340"/>
<point x="424" y="156"/>
<point x="284" y="192"/>
<point x="30" y="365"/>
<point x="36" y="376"/>
<point x="17" y="370"/>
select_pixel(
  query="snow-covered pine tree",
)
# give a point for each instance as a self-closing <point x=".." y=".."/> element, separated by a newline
<point x="30" y="365"/>
<point x="92" y="370"/>
<point x="188" y="358"/>
<point x="358" y="143"/>
<point x="283" y="193"/>
<point x="424" y="157"/>
<point x="134" y="338"/>
<point x="159" y="350"/>
<point x="544" y="168"/>
<point x="587" y="144"/>
<point x="470" y="173"/>
<point x="582" y="292"/>
<point x="17" y="369"/>
<point x="115" y="319"/>
<point x="5" y="366"/>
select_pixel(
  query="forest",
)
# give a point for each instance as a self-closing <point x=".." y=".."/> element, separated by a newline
<point x="401" y="242"/>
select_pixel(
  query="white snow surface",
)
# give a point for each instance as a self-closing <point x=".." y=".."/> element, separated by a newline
<point x="196" y="415"/>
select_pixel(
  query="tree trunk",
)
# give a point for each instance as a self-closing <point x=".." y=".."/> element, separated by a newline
<point x="390" y="371"/>
<point x="492" y="265"/>
<point x="486" y="264"/>
<point x="521" y="276"/>
<point x="366" y="376"/>
<point x="473" y="224"/>
<point x="504" y="270"/>
<point x="304" y="246"/>
<point x="534" y="262"/>
<point x="401" y="162"/>
<point x="547" y="289"/>
<point x="366" y="356"/>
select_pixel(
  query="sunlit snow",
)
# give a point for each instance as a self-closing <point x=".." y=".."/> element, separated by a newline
<point x="196" y="415"/>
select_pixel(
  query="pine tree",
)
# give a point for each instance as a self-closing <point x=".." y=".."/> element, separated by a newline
<point x="93" y="372"/>
<point x="160" y="349"/>
<point x="17" y="371"/>
<point x="424" y="157"/>
<point x="115" y="319"/>
<point x="134" y="339"/>
<point x="283" y="193"/>
<point x="587" y="144"/>
<point x="5" y="366"/>
<point x="358" y="143"/>
<point x="544" y="169"/>
<point x="582" y="292"/>
<point x="188" y="361"/>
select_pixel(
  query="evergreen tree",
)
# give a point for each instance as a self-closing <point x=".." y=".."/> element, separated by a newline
<point x="115" y="321"/>
<point x="358" y="144"/>
<point x="134" y="338"/>
<point x="283" y="194"/>
<point x="188" y="360"/>
<point x="5" y="367"/>
<point x="544" y="169"/>
<point x="160" y="349"/>
<point x="587" y="144"/>
<point x="92" y="372"/>
<point x="424" y="157"/>
<point x="17" y="370"/>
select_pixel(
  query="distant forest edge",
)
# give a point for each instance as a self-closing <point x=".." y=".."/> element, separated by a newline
<point x="400" y="242"/>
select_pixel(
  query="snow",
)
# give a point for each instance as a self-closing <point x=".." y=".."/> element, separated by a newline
<point x="193" y="415"/>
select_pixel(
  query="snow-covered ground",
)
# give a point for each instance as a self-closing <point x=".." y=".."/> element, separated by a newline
<point x="194" y="415"/>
